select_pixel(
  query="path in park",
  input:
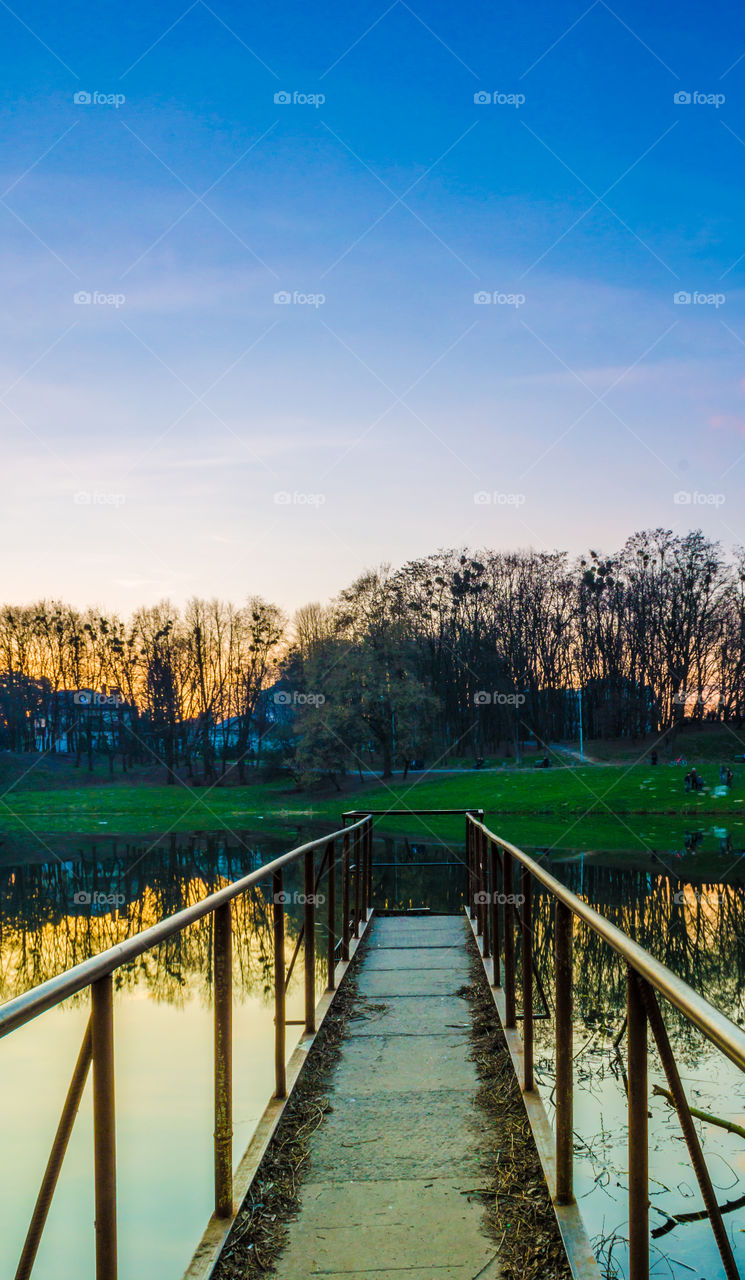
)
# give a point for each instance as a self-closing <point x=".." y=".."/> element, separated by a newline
<point x="392" y="1188"/>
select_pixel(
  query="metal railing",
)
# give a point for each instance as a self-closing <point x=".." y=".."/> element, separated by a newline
<point x="97" y="1048"/>
<point x="490" y="867"/>
<point x="491" y="864"/>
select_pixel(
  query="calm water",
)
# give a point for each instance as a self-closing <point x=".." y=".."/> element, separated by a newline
<point x="163" y="1044"/>
<point x="697" y="927"/>
<point x="686" y="905"/>
<point x="687" y="908"/>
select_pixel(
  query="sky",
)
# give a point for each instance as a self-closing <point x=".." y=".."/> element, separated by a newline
<point x="290" y="292"/>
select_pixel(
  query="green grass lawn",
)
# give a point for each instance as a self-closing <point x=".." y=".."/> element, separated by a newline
<point x="519" y="800"/>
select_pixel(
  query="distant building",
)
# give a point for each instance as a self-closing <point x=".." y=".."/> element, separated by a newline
<point x="273" y="714"/>
<point x="72" y="714"/>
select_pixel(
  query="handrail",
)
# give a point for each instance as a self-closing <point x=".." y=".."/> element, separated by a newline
<point x="490" y="865"/>
<point x="408" y="813"/>
<point x="97" y="1050"/>
<point x="22" y="1009"/>
<point x="720" y="1030"/>
<point x="489" y="883"/>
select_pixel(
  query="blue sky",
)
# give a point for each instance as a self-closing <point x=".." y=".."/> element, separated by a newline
<point x="184" y="433"/>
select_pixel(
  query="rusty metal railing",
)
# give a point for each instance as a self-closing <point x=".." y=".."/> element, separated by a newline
<point x="97" y="1049"/>
<point x="491" y="865"/>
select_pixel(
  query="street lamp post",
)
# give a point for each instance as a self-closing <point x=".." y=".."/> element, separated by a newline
<point x="581" y="750"/>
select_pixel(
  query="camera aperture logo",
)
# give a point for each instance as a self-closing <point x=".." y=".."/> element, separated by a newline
<point x="697" y="99"/>
<point x="482" y="898"/>
<point x="485" y="297"/>
<point x="692" y="498"/>
<point x="97" y="899"/>
<point x="85" y="699"/>
<point x="284" y="498"/>
<point x="499" y="99"/>
<point x="298" y="99"/>
<point x="484" y="698"/>
<point x="83" y="298"/>
<point x="697" y="299"/>
<point x="85" y="99"/>
<point x="283" y="298"/>
<point x="286" y="899"/>
<point x="284" y="698"/>
<point x="498" y="499"/>
<point x="96" y="498"/>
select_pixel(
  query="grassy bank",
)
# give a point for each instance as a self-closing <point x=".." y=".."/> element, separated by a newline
<point x="551" y="801"/>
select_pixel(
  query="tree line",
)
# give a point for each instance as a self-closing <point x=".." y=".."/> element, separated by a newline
<point x="457" y="653"/>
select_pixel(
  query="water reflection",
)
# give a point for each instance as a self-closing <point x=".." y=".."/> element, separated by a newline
<point x="411" y="874"/>
<point x="696" y="926"/>
<point x="54" y="915"/>
<point x="685" y="904"/>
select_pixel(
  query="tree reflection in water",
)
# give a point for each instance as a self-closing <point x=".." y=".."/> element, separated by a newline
<point x="697" y="929"/>
<point x="54" y="915"/>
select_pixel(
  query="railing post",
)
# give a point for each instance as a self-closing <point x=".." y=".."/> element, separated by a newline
<point x="364" y="871"/>
<point x="368" y="839"/>
<point x="356" y="855"/>
<point x="478" y="879"/>
<point x="309" y="945"/>
<point x="104" y="1126"/>
<point x="345" y="896"/>
<point x="56" y="1156"/>
<point x="484" y="853"/>
<point x="278" y="912"/>
<point x="369" y="864"/>
<point x="331" y="922"/>
<point x="495" y="947"/>
<point x="469" y="882"/>
<point x="564" y="1052"/>
<point x="510" y="1020"/>
<point x="223" y="1005"/>
<point x="527" y="967"/>
<point x="638" y="1148"/>
<point x="708" y="1194"/>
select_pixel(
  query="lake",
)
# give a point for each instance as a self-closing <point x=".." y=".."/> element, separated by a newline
<point x="686" y="905"/>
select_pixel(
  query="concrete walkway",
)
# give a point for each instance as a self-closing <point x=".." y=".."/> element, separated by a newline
<point x="392" y="1189"/>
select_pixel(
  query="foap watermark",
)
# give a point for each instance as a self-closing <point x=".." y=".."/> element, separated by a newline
<point x="691" y="895"/>
<point x="483" y="899"/>
<point x="485" y="298"/>
<point x="97" y="899"/>
<point x="698" y="99"/>
<point x="85" y="99"/>
<point x="283" y="98"/>
<point x="482" y="98"/>
<point x="97" y="498"/>
<point x="299" y="899"/>
<point x="483" y="698"/>
<point x="693" y="498"/>
<point x="93" y="699"/>
<point x="683" y="696"/>
<point x="283" y="298"/>
<point x="83" y="298"/>
<point x="703" y="696"/>
<point x="286" y="499"/>
<point x="496" y="498"/>
<point x="697" y="299"/>
<point x="287" y="699"/>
